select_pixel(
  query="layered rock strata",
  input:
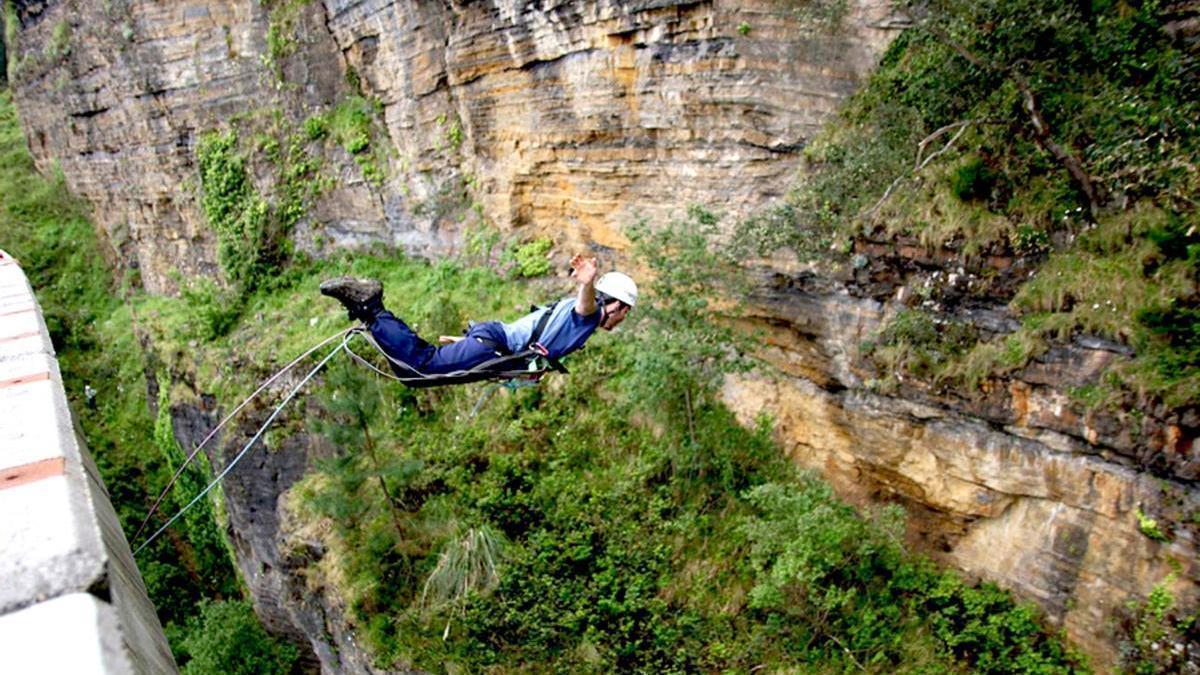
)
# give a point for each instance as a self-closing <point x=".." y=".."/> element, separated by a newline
<point x="1017" y="484"/>
<point x="569" y="119"/>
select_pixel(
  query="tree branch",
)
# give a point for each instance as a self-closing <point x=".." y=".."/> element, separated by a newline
<point x="919" y="164"/>
<point x="1041" y="130"/>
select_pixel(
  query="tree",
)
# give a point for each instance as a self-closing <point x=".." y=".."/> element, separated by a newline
<point x="685" y="344"/>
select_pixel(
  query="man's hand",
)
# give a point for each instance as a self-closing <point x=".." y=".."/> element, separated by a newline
<point x="583" y="269"/>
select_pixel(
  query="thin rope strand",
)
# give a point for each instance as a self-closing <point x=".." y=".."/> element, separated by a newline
<point x="179" y="472"/>
<point x="244" y="450"/>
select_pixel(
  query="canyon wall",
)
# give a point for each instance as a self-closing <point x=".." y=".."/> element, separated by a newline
<point x="571" y="120"/>
<point x="1017" y="483"/>
<point x="567" y="119"/>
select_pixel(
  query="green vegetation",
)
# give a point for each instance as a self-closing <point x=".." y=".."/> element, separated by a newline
<point x="92" y="329"/>
<point x="247" y="247"/>
<point x="212" y="559"/>
<point x="282" y="16"/>
<point x="1062" y="133"/>
<point x="225" y="637"/>
<point x="12" y="29"/>
<point x="59" y="45"/>
<point x="352" y="125"/>
<point x="1149" y="526"/>
<point x="251" y="228"/>
<point x="453" y="134"/>
<point x="531" y="258"/>
<point x="918" y="343"/>
<point x="1158" y="633"/>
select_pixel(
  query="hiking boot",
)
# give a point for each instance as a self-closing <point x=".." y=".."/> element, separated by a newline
<point x="362" y="298"/>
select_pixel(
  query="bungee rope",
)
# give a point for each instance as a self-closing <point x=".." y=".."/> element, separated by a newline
<point x="221" y="424"/>
<point x="237" y="458"/>
<point x="511" y="379"/>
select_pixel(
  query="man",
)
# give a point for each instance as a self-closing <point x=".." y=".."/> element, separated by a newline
<point x="602" y="303"/>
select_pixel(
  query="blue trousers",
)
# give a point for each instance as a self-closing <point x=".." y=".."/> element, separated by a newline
<point x="403" y="344"/>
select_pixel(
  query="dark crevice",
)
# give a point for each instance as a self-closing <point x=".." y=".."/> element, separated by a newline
<point x="87" y="114"/>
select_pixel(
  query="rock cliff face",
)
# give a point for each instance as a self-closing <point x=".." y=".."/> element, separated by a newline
<point x="570" y="119"/>
<point x="559" y="118"/>
<point x="1017" y="484"/>
<point x="277" y="558"/>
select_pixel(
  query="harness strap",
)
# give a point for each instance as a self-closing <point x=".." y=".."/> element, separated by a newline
<point x="541" y="325"/>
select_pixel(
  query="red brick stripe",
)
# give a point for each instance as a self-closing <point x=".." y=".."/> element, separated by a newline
<point x="25" y="379"/>
<point x="19" y="337"/>
<point x="32" y="472"/>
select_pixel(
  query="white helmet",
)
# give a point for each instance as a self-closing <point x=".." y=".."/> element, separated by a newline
<point x="619" y="287"/>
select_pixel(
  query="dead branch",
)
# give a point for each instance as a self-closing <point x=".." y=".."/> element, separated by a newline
<point x="1041" y="130"/>
<point x="920" y="163"/>
<point x="1042" y="135"/>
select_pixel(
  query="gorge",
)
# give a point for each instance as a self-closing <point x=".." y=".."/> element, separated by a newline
<point x="424" y="126"/>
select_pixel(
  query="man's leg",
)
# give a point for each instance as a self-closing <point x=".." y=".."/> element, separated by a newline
<point x="363" y="300"/>
<point x="466" y="353"/>
<point x="399" y="341"/>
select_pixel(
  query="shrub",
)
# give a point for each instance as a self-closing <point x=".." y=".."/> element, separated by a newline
<point x="316" y="127"/>
<point x="247" y="245"/>
<point x="532" y="259"/>
<point x="226" y="637"/>
<point x="1158" y="636"/>
<point x="972" y="180"/>
<point x="682" y="346"/>
<point x="917" y="343"/>
<point x="212" y="313"/>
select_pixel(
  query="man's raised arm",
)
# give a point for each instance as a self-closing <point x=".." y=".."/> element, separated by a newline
<point x="584" y="270"/>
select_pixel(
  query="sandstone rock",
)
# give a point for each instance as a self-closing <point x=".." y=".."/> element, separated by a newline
<point x="1019" y="487"/>
<point x="570" y="119"/>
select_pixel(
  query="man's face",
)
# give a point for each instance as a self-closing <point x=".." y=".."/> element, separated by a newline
<point x="614" y="314"/>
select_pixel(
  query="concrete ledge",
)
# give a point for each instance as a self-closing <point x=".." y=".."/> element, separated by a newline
<point x="74" y="633"/>
<point x="71" y="595"/>
<point x="51" y="544"/>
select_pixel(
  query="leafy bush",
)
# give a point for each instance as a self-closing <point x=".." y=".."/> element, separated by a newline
<point x="213" y="313"/>
<point x="973" y="180"/>
<point x="683" y="347"/>
<point x="531" y="258"/>
<point x="1159" y="637"/>
<point x="844" y="584"/>
<point x="226" y="637"/>
<point x="247" y="245"/>
<point x="316" y="127"/>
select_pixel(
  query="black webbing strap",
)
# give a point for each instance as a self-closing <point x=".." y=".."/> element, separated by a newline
<point x="541" y="325"/>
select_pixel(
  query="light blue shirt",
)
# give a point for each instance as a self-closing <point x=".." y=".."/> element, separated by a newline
<point x="564" y="333"/>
